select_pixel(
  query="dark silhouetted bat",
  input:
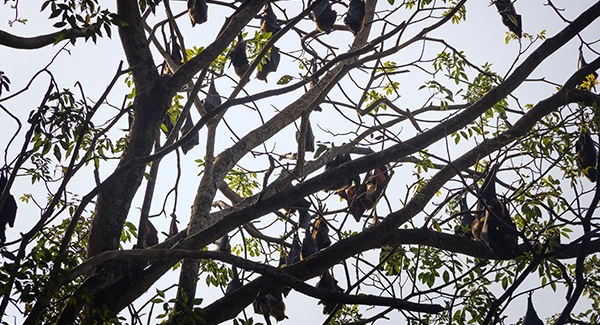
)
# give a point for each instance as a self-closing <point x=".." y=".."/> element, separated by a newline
<point x="324" y="16"/>
<point x="173" y="227"/>
<point x="509" y="15"/>
<point x="582" y="64"/>
<point x="8" y="212"/>
<point x="486" y="193"/>
<point x="313" y="82"/>
<point x="309" y="140"/>
<point x="151" y="234"/>
<point x="365" y="196"/>
<point x="235" y="282"/>
<point x="198" y="11"/>
<point x="320" y="233"/>
<point x="465" y="228"/>
<point x="271" y="304"/>
<point x="238" y="57"/>
<point x="327" y="282"/>
<point x="355" y="18"/>
<point x="531" y="317"/>
<point x="586" y="155"/>
<point x="498" y="230"/>
<point x="175" y="56"/>
<point x="195" y="140"/>
<point x="213" y="99"/>
<point x="345" y="184"/>
<point x="308" y="246"/>
<point x="294" y="254"/>
<point x="270" y="65"/>
<point x="302" y="206"/>
<point x="223" y="244"/>
<point x="268" y="21"/>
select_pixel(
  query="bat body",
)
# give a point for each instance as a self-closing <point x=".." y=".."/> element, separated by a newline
<point x="302" y="206"/>
<point x="268" y="21"/>
<point x="486" y="193"/>
<point x="324" y="16"/>
<point x="270" y="305"/>
<point x="345" y="184"/>
<point x="313" y="83"/>
<point x="510" y="18"/>
<point x="498" y="230"/>
<point x="531" y="317"/>
<point x="308" y="246"/>
<point x="175" y="56"/>
<point x="198" y="11"/>
<point x="195" y="140"/>
<point x="320" y="233"/>
<point x="270" y="65"/>
<point x="327" y="282"/>
<point x="586" y="155"/>
<point x="213" y="99"/>
<point x="173" y="227"/>
<point x="223" y="244"/>
<point x="582" y="64"/>
<point x="235" y="282"/>
<point x="294" y="254"/>
<point x="8" y="211"/>
<point x="151" y="234"/>
<point x="309" y="139"/>
<point x="364" y="197"/>
<point x="467" y="220"/>
<point x="355" y="18"/>
<point x="239" y="60"/>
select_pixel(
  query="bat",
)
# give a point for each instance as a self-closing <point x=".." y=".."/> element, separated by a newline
<point x="324" y="16"/>
<point x="8" y="211"/>
<point x="173" y="227"/>
<point x="198" y="11"/>
<point x="151" y="234"/>
<point x="586" y="155"/>
<point x="355" y="17"/>
<point x="375" y="185"/>
<point x="309" y="140"/>
<point x="213" y="99"/>
<point x="320" y="233"/>
<point x="268" y="21"/>
<point x="509" y="15"/>
<point x="235" y="282"/>
<point x="262" y="306"/>
<point x="314" y="81"/>
<point x="294" y="254"/>
<point x="345" y="184"/>
<point x="195" y="140"/>
<point x="302" y="206"/>
<point x="498" y="230"/>
<point x="223" y="244"/>
<point x="531" y="317"/>
<point x="327" y="282"/>
<point x="353" y="196"/>
<point x="466" y="224"/>
<point x="175" y="56"/>
<point x="582" y="64"/>
<point x="270" y="305"/>
<point x="308" y="246"/>
<point x="270" y="65"/>
<point x="238" y="57"/>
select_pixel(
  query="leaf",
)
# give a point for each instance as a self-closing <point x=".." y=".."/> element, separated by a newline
<point x="284" y="80"/>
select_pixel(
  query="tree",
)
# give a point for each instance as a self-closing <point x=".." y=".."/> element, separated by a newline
<point x="404" y="252"/>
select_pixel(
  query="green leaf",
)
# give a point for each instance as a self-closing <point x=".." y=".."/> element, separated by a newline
<point x="284" y="80"/>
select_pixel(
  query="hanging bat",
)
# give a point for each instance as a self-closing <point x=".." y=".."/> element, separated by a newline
<point x="320" y="233"/>
<point x="586" y="155"/>
<point x="309" y="140"/>
<point x="354" y="197"/>
<point x="8" y="211"/>
<point x="375" y="185"/>
<point x="198" y="11"/>
<point x="314" y="81"/>
<point x="355" y="18"/>
<point x="277" y="308"/>
<point x="151" y="234"/>
<point x="213" y="99"/>
<point x="324" y="16"/>
<point x="175" y="56"/>
<point x="308" y="246"/>
<point x="195" y="140"/>
<point x="268" y="21"/>
<point x="327" y="282"/>
<point x="235" y="282"/>
<point x="531" y="317"/>
<point x="582" y="64"/>
<point x="238" y="57"/>
<point x="509" y="15"/>
<point x="294" y="254"/>
<point x="343" y="185"/>
<point x="498" y="230"/>
<point x="262" y="306"/>
<point x="223" y="244"/>
<point x="270" y="65"/>
<point x="486" y="193"/>
<point x="302" y="206"/>
<point x="173" y="227"/>
<point x="466" y="225"/>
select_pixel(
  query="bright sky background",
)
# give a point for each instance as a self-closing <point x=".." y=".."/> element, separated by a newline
<point x="482" y="37"/>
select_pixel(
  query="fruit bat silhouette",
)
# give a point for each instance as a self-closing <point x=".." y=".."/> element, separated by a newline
<point x="268" y="21"/>
<point x="294" y="254"/>
<point x="195" y="140"/>
<point x="151" y="234"/>
<point x="235" y="282"/>
<point x="364" y="197"/>
<point x="238" y="57"/>
<point x="355" y="18"/>
<point x="173" y="227"/>
<point x="313" y="82"/>
<point x="324" y="16"/>
<point x="498" y="230"/>
<point x="586" y="155"/>
<point x="223" y="244"/>
<point x="8" y="212"/>
<point x="531" y="317"/>
<point x="308" y="246"/>
<point x="302" y="206"/>
<point x="175" y="56"/>
<point x="213" y="99"/>
<point x="270" y="65"/>
<point x="509" y="15"/>
<point x="345" y="184"/>
<point x="320" y="233"/>
<point x="486" y="193"/>
<point x="309" y="139"/>
<point x="270" y="305"/>
<point x="466" y="225"/>
<point x="327" y="282"/>
<point x="198" y="11"/>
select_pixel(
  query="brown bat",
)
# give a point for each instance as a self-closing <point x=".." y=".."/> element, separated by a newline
<point x="268" y="21"/>
<point x="195" y="140"/>
<point x="151" y="234"/>
<point x="270" y="65"/>
<point x="320" y="233"/>
<point x="586" y="155"/>
<point x="238" y="57"/>
<point x="8" y="212"/>
<point x="509" y="15"/>
<point x="198" y="11"/>
<point x="213" y="99"/>
<point x="355" y="17"/>
<point x="324" y="16"/>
